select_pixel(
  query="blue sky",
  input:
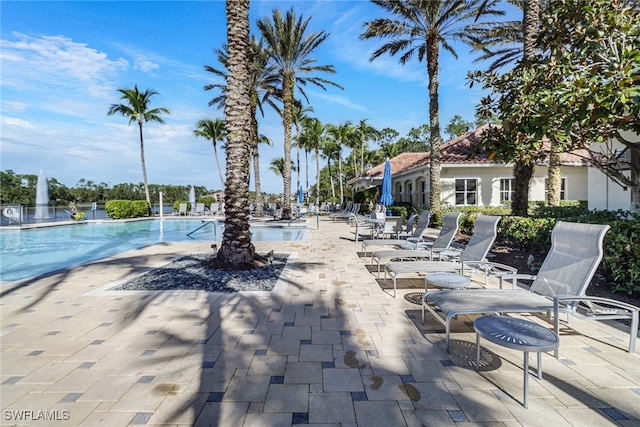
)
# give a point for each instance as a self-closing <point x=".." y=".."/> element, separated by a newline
<point x="62" y="63"/>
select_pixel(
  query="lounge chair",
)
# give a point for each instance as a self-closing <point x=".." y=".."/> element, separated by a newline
<point x="198" y="209"/>
<point x="424" y="249"/>
<point x="560" y="286"/>
<point x="423" y="223"/>
<point x="484" y="234"/>
<point x="407" y="229"/>
<point x="354" y="208"/>
<point x="182" y="209"/>
<point x="371" y="224"/>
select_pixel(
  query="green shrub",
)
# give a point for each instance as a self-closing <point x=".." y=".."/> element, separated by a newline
<point x="622" y="255"/>
<point x="120" y="209"/>
<point x="527" y="232"/>
<point x="398" y="211"/>
<point x="207" y="200"/>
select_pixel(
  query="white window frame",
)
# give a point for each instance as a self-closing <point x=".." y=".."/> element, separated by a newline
<point x="503" y="193"/>
<point x="466" y="193"/>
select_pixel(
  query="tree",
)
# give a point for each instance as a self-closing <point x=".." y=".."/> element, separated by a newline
<point x="259" y="209"/>
<point x="213" y="130"/>
<point x="584" y="89"/>
<point x="313" y="138"/>
<point x="457" y="126"/>
<point x="263" y="91"/>
<point x="416" y="141"/>
<point x="277" y="166"/>
<point x="364" y="133"/>
<point x="342" y="135"/>
<point x="419" y="28"/>
<point x="136" y="108"/>
<point x="237" y="250"/>
<point x="291" y="58"/>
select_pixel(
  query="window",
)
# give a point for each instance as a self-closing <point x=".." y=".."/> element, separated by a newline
<point x="563" y="186"/>
<point x="506" y="190"/>
<point x="466" y="191"/>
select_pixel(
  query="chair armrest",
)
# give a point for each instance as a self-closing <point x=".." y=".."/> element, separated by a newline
<point x="494" y="269"/>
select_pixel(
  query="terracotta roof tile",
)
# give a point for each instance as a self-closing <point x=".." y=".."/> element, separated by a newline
<point x="465" y="149"/>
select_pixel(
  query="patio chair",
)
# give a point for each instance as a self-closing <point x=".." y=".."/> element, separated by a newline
<point x="421" y="250"/>
<point x="423" y="223"/>
<point x="371" y="223"/>
<point x="559" y="286"/>
<point x="484" y="234"/>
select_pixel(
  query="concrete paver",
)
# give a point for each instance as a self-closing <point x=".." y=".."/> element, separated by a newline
<point x="329" y="346"/>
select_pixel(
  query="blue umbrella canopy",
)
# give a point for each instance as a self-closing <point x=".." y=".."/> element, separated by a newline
<point x="300" y="195"/>
<point x="386" y="198"/>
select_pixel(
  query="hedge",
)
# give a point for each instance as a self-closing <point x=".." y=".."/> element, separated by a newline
<point x="120" y="209"/>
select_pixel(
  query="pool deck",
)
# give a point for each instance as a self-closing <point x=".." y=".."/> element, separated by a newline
<point x="331" y="347"/>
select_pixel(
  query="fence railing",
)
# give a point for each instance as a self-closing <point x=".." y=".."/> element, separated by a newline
<point x="17" y="215"/>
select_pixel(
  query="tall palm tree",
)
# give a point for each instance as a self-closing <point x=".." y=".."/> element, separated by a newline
<point x="364" y="132"/>
<point x="314" y="136"/>
<point x="419" y="28"/>
<point x="263" y="91"/>
<point x="291" y="57"/>
<point x="299" y="113"/>
<point x="343" y="136"/>
<point x="136" y="108"/>
<point x="259" y="208"/>
<point x="237" y="250"/>
<point x="277" y="166"/>
<point x="213" y="130"/>
<point x="330" y="149"/>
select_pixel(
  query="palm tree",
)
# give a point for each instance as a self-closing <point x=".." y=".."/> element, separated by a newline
<point x="299" y="113"/>
<point x="136" y="108"/>
<point x="263" y="91"/>
<point x="314" y="136"/>
<point x="364" y="132"/>
<point x="291" y="57"/>
<point x="330" y="148"/>
<point x="419" y="28"/>
<point x="342" y="135"/>
<point x="213" y="130"/>
<point x="236" y="249"/>
<point x="259" y="208"/>
<point x="277" y="166"/>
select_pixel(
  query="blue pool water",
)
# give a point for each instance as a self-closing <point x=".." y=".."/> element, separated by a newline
<point x="30" y="252"/>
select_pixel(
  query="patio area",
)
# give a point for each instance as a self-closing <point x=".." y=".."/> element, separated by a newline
<point x="329" y="346"/>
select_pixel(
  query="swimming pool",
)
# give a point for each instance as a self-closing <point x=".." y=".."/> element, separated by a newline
<point x="30" y="252"/>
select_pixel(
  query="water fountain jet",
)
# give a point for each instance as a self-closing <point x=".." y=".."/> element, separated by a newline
<point x="42" y="197"/>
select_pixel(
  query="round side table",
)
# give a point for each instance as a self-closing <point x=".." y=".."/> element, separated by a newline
<point x="446" y="280"/>
<point x="517" y="334"/>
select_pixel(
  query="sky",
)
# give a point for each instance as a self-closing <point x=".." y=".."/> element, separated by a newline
<point x="62" y="63"/>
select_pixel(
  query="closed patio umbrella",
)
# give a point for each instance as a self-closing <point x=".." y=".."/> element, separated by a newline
<point x="300" y="195"/>
<point x="386" y="199"/>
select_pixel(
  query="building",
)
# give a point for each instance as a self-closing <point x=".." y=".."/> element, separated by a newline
<point x="470" y="177"/>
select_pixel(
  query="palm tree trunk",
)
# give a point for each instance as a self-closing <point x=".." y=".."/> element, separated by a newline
<point x="306" y="167"/>
<point x="340" y="178"/>
<point x="259" y="208"/>
<point x="237" y="250"/>
<point x="287" y="114"/>
<point x="144" y="168"/>
<point x="434" y="124"/>
<point x="317" y="176"/>
<point x="215" y="152"/>
<point x="297" y="156"/>
<point x="523" y="168"/>
<point x="554" y="180"/>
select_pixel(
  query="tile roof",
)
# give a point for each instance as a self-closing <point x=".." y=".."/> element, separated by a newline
<point x="465" y="149"/>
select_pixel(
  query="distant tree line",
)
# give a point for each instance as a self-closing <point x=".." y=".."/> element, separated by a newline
<point x="21" y="189"/>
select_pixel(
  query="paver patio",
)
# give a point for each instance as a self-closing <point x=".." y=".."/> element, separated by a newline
<point x="330" y="346"/>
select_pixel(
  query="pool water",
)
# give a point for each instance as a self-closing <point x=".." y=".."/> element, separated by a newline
<point x="30" y="252"/>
